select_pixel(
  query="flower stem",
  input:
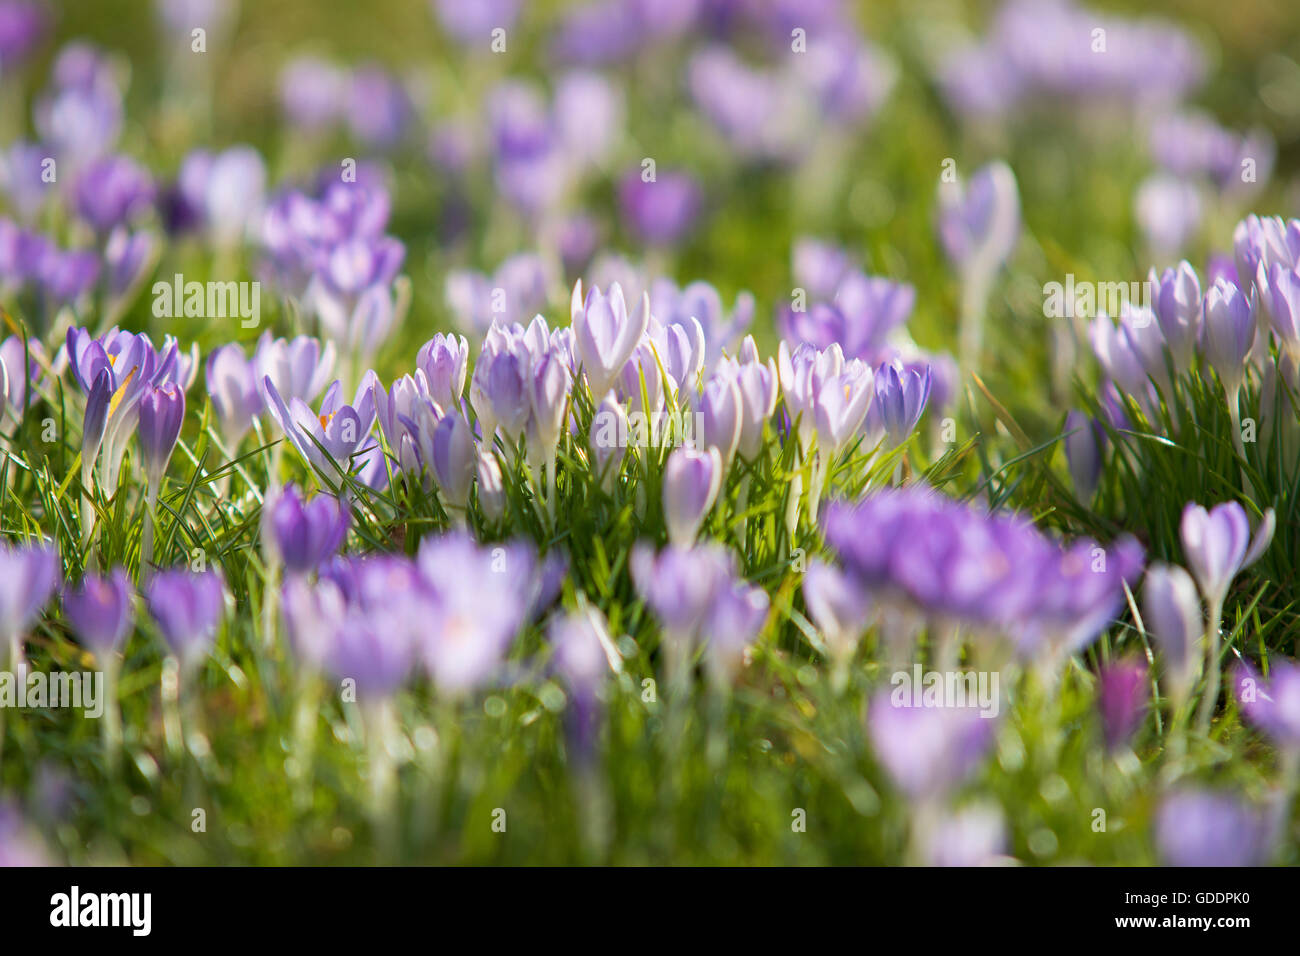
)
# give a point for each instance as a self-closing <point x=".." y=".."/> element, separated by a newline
<point x="1210" y="698"/>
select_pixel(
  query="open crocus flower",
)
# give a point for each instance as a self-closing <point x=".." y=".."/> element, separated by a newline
<point x="1207" y="828"/>
<point x="337" y="439"/>
<point x="303" y="534"/>
<point x="1218" y="545"/>
<point x="233" y="387"/>
<point x="927" y="751"/>
<point x="606" y="333"/>
<point x="1272" y="705"/>
<point x="299" y="367"/>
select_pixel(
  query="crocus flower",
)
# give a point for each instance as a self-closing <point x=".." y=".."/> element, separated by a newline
<point x="583" y="657"/>
<point x="1229" y="334"/>
<point x="680" y="584"/>
<point x="901" y="396"/>
<point x="605" y="333"/>
<point x="548" y="393"/>
<point x="1122" y="693"/>
<point x="759" y="385"/>
<point x="299" y="368"/>
<point x="1171" y="611"/>
<point x="303" y="534"/>
<point x="1272" y="705"/>
<point x="111" y="191"/>
<point x="974" y="836"/>
<point x="1207" y="828"/>
<point x="373" y="647"/>
<point x="28" y="575"/>
<point x="188" y="607"/>
<point x="23" y="367"/>
<point x="663" y="210"/>
<point x="1085" y="448"/>
<point x="162" y="410"/>
<point x="1282" y="303"/>
<point x="979" y="221"/>
<point x="1218" y="545"/>
<point x="100" y="610"/>
<point x="1177" y="294"/>
<point x="721" y="409"/>
<point x="443" y="360"/>
<point x="927" y="751"/>
<point x="690" y="486"/>
<point x="733" y="622"/>
<point x="491" y="488"/>
<point x="839" y="607"/>
<point x="454" y="457"/>
<point x="20" y="846"/>
<point x="608" y="438"/>
<point x="233" y="387"/>
<point x="311" y="92"/>
<point x="342" y="431"/>
<point x="126" y="256"/>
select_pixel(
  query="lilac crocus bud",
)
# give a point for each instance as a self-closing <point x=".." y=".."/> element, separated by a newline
<point x="162" y="410"/>
<point x="444" y="359"/>
<point x="1121" y="699"/>
<point x="548" y="393"/>
<point x="691" y="483"/>
<point x="100" y="610"/>
<point x="979" y="222"/>
<point x="1205" y="828"/>
<point x="455" y="458"/>
<point x="28" y="574"/>
<point x="730" y="627"/>
<point x="1229" y="333"/>
<point x="1273" y="705"/>
<point x="606" y="333"/>
<point x="298" y="368"/>
<point x="1177" y="304"/>
<point x="901" y="395"/>
<point x="608" y="438"/>
<point x="111" y="191"/>
<point x="232" y="385"/>
<point x="759" y="388"/>
<point x="188" y="608"/>
<point x="839" y="606"/>
<point x="720" y="417"/>
<point x="311" y="92"/>
<point x="1171" y="612"/>
<point x="1283" y="307"/>
<point x="1218" y="545"/>
<point x="681" y="584"/>
<point x="303" y="535"/>
<point x="126" y="256"/>
<point x="1085" y="450"/>
<point x="491" y="489"/>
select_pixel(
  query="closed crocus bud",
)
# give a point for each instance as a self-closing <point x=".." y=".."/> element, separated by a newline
<point x="1218" y="545"/>
<point x="162" y="409"/>
<point x="720" y="417"/>
<point x="111" y="191"/>
<point x="1121" y="699"/>
<point x="731" y="625"/>
<point x="839" y="606"/>
<point x="232" y="386"/>
<point x="1177" y="304"/>
<point x="979" y="222"/>
<point x="1171" y="612"/>
<point x="1085" y="449"/>
<point x="28" y="574"/>
<point x="455" y="459"/>
<point x="608" y="438"/>
<point x="303" y="535"/>
<point x="901" y="395"/>
<point x="298" y="368"/>
<point x="759" y="386"/>
<point x="444" y="359"/>
<point x="100" y="610"/>
<point x="1229" y="333"/>
<point x="691" y="483"/>
<point x="491" y="489"/>
<point x="606" y="333"/>
<point x="1283" y="307"/>
<point x="188" y="608"/>
<point x="549" y="395"/>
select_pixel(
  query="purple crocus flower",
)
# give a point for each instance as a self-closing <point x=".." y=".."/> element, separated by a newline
<point x="299" y="368"/>
<point x="1177" y="294"/>
<point x="67" y="275"/>
<point x="1085" y="450"/>
<point x="839" y="607"/>
<point x="338" y="437"/>
<point x="733" y="622"/>
<point x="472" y="23"/>
<point x="927" y="751"/>
<point x="453" y="456"/>
<point x="583" y="658"/>
<point x="80" y="117"/>
<point x="303" y="534"/>
<point x="721" y="409"/>
<point x="1282" y="301"/>
<point x="662" y="211"/>
<point x="1272" y="705"/>
<point x="312" y="92"/>
<point x="979" y="222"/>
<point x="111" y="191"/>
<point x="759" y="385"/>
<point x="100" y="610"/>
<point x="444" y="360"/>
<point x="24" y="367"/>
<point x="680" y="584"/>
<point x="126" y="255"/>
<point x="699" y="302"/>
<point x="480" y="597"/>
<point x="232" y="385"/>
<point x="1171" y="611"/>
<point x="973" y="836"/>
<point x="379" y="110"/>
<point x="901" y="396"/>
<point x="690" y="486"/>
<point x="1229" y="334"/>
<point x="1207" y="828"/>
<point x="374" y="647"/>
<point x="22" y="25"/>
<point x="1218" y="545"/>
<point x="1122" y="694"/>
<point x="188" y="607"/>
<point x="22" y="178"/>
<point x="606" y="333"/>
<point x="162" y="410"/>
<point x="28" y="575"/>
